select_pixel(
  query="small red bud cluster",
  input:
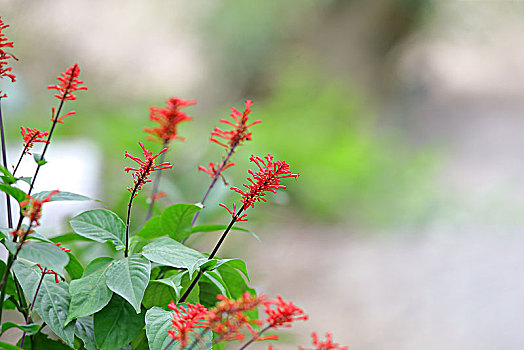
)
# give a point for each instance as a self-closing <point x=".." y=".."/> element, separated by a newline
<point x="168" y="119"/>
<point x="141" y="175"/>
<point x="68" y="83"/>
<point x="5" y="71"/>
<point x="30" y="136"/>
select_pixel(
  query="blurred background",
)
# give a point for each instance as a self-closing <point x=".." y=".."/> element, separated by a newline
<point x="403" y="118"/>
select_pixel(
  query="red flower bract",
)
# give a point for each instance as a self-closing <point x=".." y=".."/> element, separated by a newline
<point x="168" y="118"/>
<point x="30" y="136"/>
<point x="69" y="83"/>
<point x="213" y="168"/>
<point x="140" y="175"/>
<point x="267" y="178"/>
<point x="284" y="313"/>
<point x="186" y="318"/>
<point x="233" y="138"/>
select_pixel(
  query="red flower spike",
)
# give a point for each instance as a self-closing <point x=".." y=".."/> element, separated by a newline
<point x="30" y="136"/>
<point x="69" y="83"/>
<point x="61" y="118"/>
<point x="266" y="179"/>
<point x="284" y="313"/>
<point x="62" y="248"/>
<point x="4" y="56"/>
<point x="212" y="168"/>
<point x="32" y="208"/>
<point x="258" y="337"/>
<point x="168" y="119"/>
<point x="326" y="345"/>
<point x="185" y="319"/>
<point x="239" y="134"/>
<point x="140" y="176"/>
<point x="158" y="195"/>
<point x="50" y="272"/>
<point x="227" y="317"/>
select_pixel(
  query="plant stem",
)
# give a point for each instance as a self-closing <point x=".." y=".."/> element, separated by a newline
<point x="212" y="255"/>
<point x="23" y="153"/>
<point x="4" y="161"/>
<point x="170" y="343"/>
<point x="133" y="193"/>
<point x="213" y="181"/>
<point x="254" y="338"/>
<point x="156" y="182"/>
<point x="28" y="318"/>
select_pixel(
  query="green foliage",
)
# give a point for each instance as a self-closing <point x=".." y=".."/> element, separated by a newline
<point x="84" y="330"/>
<point x="169" y="252"/>
<point x="117" y="324"/>
<point x="100" y="225"/>
<point x="128" y="277"/>
<point x="46" y="254"/>
<point x="30" y="328"/>
<point x="61" y="196"/>
<point x="14" y="192"/>
<point x="90" y="293"/>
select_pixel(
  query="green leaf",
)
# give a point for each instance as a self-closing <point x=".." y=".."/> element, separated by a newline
<point x="7" y="178"/>
<point x="238" y="264"/>
<point x="6" y="346"/>
<point x="211" y="228"/>
<point x="40" y="341"/>
<point x="74" y="268"/>
<point x="14" y="192"/>
<point x="69" y="237"/>
<point x="52" y="301"/>
<point x="161" y="292"/>
<point x="140" y="341"/>
<point x="30" y="329"/>
<point x="210" y="287"/>
<point x="26" y="179"/>
<point x="152" y="229"/>
<point x="128" y="277"/>
<point x="176" y="219"/>
<point x="100" y="225"/>
<point x="158" y="322"/>
<point x="84" y="330"/>
<point x="167" y="251"/>
<point x="236" y="285"/>
<point x="61" y="196"/>
<point x="46" y="254"/>
<point x="90" y="293"/>
<point x="39" y="159"/>
<point x="116" y="324"/>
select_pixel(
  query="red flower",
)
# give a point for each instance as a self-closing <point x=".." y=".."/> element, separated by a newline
<point x="228" y="317"/>
<point x="58" y="244"/>
<point x="4" y="56"/>
<point x="233" y="138"/>
<point x="185" y="320"/>
<point x="68" y="84"/>
<point x="140" y="176"/>
<point x="32" y="208"/>
<point x="45" y="271"/>
<point x="168" y="118"/>
<point x="284" y="313"/>
<point x="30" y="136"/>
<point x="158" y="195"/>
<point x="326" y="345"/>
<point x="212" y="171"/>
<point x="61" y="118"/>
<point x="266" y="179"/>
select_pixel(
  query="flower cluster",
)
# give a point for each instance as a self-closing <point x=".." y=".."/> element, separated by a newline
<point x="325" y="345"/>
<point x="168" y="119"/>
<point x="233" y="138"/>
<point x="69" y="83"/>
<point x="283" y="314"/>
<point x="32" y="208"/>
<point x="228" y="317"/>
<point x="5" y="72"/>
<point x="185" y="319"/>
<point x="46" y="271"/>
<point x="267" y="178"/>
<point x="30" y="136"/>
<point x="141" y="175"/>
<point x="60" y="119"/>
